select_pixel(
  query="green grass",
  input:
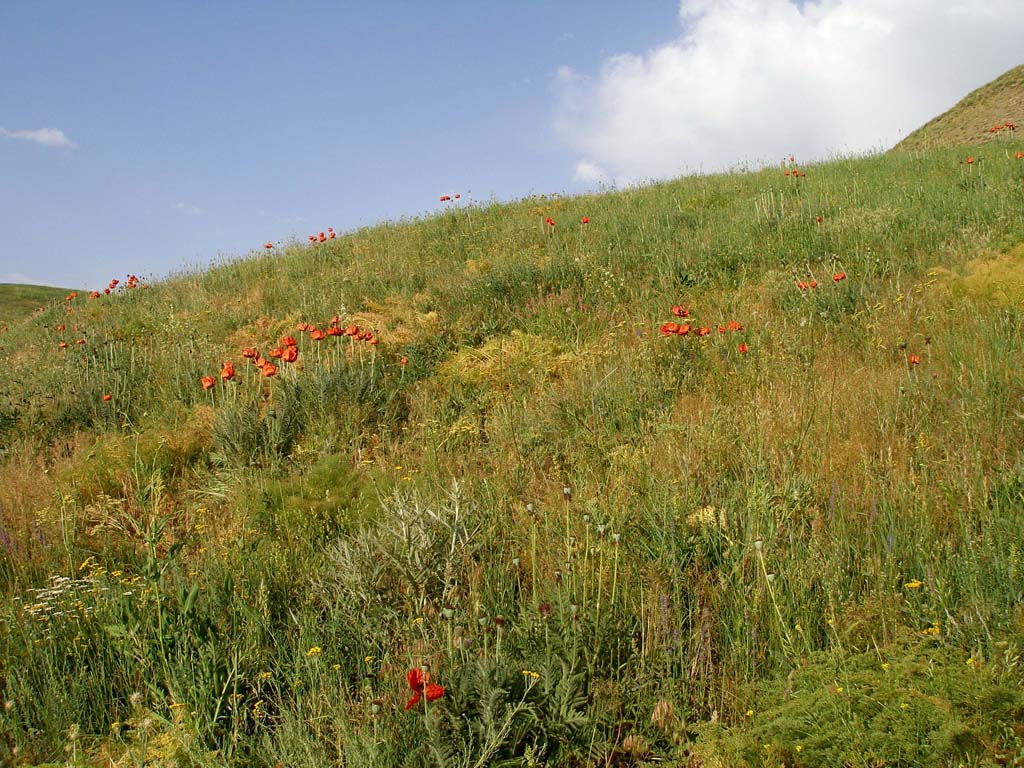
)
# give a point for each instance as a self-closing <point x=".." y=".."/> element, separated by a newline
<point x="608" y="545"/>
<point x="19" y="301"/>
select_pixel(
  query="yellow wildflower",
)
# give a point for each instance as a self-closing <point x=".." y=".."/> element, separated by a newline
<point x="913" y="584"/>
<point x="316" y="650"/>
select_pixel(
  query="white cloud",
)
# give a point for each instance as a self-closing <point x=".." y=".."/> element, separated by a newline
<point x="751" y="81"/>
<point x="48" y="137"/>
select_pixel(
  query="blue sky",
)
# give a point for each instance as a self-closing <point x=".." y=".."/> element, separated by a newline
<point x="188" y="130"/>
<point x="205" y="127"/>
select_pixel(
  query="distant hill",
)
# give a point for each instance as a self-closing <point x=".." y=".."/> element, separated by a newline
<point x="18" y="301"/>
<point x="972" y="119"/>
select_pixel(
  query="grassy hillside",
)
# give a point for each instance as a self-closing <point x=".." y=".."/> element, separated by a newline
<point x="19" y="301"/>
<point x="980" y="117"/>
<point x="728" y="475"/>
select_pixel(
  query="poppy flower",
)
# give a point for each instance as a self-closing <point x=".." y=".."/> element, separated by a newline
<point x="351" y="330"/>
<point x="259" y="361"/>
<point x="268" y="370"/>
<point x="317" y="335"/>
<point x="268" y="246"/>
<point x="322" y="237"/>
<point x="549" y="221"/>
<point x="703" y="331"/>
<point x="336" y="320"/>
<point x="63" y="345"/>
<point x="107" y="398"/>
<point x="288" y="341"/>
<point x="679" y="311"/>
<point x="801" y="285"/>
<point x="106" y="291"/>
<point x="670" y="329"/>
<point x="227" y="372"/>
<point x="814" y="283"/>
<point x="208" y="382"/>
<point x="444" y="198"/>
<point x="276" y="352"/>
<point x="785" y="173"/>
<point x="371" y="339"/>
<point x="683" y="330"/>
<point x="312" y="238"/>
<point x="331" y="235"/>
<point x="457" y="195"/>
<point x="914" y="359"/>
<point x="404" y="360"/>
<point x="744" y="348"/>
<point x="818" y="219"/>
<point x="970" y="160"/>
<point x="721" y="329"/>
<point x="334" y="331"/>
<point x="732" y="325"/>
<point x="94" y="294"/>
<point x="249" y="353"/>
<point x="585" y="220"/>
<point x="290" y="355"/>
<point x="419" y="683"/>
<point x="1020" y="155"/>
<point x="60" y="328"/>
<point x="80" y="342"/>
<point x="839" y="276"/>
<point x="303" y="327"/>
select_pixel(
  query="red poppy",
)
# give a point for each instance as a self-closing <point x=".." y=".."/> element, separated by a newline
<point x="549" y="221"/>
<point x="839" y="276"/>
<point x="419" y="683"/>
<point x="683" y="330"/>
<point x="107" y="398"/>
<point x="80" y="341"/>
<point x="336" y="320"/>
<point x="1020" y="155"/>
<point x="914" y="359"/>
<point x="457" y="195"/>
<point x="106" y="291"/>
<point x="744" y="348"/>
<point x="268" y="370"/>
<point x="404" y="361"/>
<point x="371" y="339"/>
<point x="585" y="220"/>
<point x="670" y="329"/>
<point x="801" y="285"/>
<point x="268" y="246"/>
<point x="444" y="198"/>
<point x="334" y="331"/>
<point x="60" y="328"/>
<point x="259" y="361"/>
<point x="303" y="327"/>
<point x="814" y="283"/>
<point x="330" y="235"/>
<point x="227" y="372"/>
<point x="94" y="294"/>
<point x="732" y="325"/>
<point x="290" y="355"/>
<point x="312" y="238"/>
<point x="288" y="341"/>
<point x="317" y="335"/>
<point x="351" y="330"/>
<point x="322" y="237"/>
<point x="679" y="311"/>
<point x="703" y="331"/>
<point x="970" y="160"/>
<point x="63" y="345"/>
<point x="818" y="219"/>
<point x="721" y="329"/>
<point x="208" y="382"/>
<point x="249" y="353"/>
<point x="785" y="173"/>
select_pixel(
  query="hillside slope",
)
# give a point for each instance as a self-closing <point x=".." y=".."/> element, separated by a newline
<point x="722" y="471"/>
<point x="18" y="301"/>
<point x="980" y="117"/>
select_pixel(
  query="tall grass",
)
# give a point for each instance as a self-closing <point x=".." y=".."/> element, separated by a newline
<point x="606" y="543"/>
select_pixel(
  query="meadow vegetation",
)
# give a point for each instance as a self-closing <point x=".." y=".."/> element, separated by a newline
<point x="610" y="543"/>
